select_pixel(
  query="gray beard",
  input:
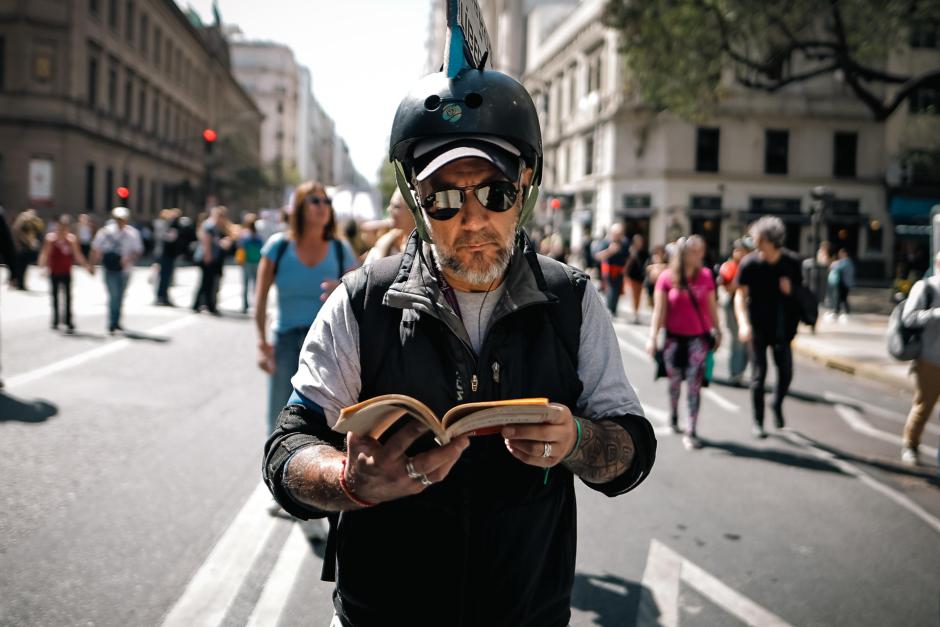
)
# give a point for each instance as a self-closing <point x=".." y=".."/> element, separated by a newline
<point x="445" y="260"/>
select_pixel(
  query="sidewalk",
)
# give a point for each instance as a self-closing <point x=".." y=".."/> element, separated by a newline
<point x="856" y="346"/>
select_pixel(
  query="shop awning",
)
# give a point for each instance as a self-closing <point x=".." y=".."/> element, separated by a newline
<point x="908" y="207"/>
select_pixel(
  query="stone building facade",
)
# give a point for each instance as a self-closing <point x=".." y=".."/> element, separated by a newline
<point x="105" y="93"/>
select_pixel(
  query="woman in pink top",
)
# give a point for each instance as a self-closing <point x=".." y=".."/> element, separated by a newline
<point x="685" y="305"/>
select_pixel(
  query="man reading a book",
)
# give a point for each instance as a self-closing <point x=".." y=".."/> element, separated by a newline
<point x="480" y="531"/>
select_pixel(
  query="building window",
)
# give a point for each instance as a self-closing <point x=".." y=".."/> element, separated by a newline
<point x="280" y="106"/>
<point x="706" y="149"/>
<point x="595" y="71"/>
<point x="142" y="106"/>
<point x="776" y="151"/>
<point x="112" y="88"/>
<point x="157" y="45"/>
<point x="572" y="87"/>
<point x="926" y="34"/>
<point x="108" y="189"/>
<point x="144" y="34"/>
<point x="139" y="191"/>
<point x="844" y="148"/>
<point x="925" y="100"/>
<point x="92" y="82"/>
<point x="129" y="21"/>
<point x="637" y="201"/>
<point x="113" y="14"/>
<point x="94" y="7"/>
<point x="3" y="63"/>
<point x="155" y="125"/>
<point x="90" y="187"/>
<point x="589" y="155"/>
<point x="705" y="203"/>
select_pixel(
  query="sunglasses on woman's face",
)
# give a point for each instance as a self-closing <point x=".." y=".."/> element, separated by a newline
<point x="444" y="204"/>
<point x="316" y="200"/>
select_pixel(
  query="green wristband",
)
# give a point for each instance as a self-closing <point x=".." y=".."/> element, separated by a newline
<point x="578" y="442"/>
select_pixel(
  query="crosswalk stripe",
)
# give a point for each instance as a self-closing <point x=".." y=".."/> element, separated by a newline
<point x="277" y="589"/>
<point x="212" y="589"/>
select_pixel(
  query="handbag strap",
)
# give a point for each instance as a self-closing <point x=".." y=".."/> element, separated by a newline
<point x="698" y="312"/>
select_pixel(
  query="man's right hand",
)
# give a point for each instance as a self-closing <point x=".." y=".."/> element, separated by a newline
<point x="375" y="472"/>
<point x="744" y="333"/>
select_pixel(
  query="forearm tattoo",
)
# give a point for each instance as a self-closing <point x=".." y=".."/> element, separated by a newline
<point x="606" y="452"/>
<point x="312" y="477"/>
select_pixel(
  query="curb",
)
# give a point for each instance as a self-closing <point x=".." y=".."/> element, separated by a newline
<point x="855" y="368"/>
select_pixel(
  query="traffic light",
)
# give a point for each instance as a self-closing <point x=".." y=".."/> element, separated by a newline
<point x="208" y="138"/>
<point x="123" y="193"/>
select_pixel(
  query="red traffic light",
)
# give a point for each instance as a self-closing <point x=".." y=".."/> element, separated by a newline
<point x="123" y="193"/>
<point x="555" y="203"/>
<point x="209" y="135"/>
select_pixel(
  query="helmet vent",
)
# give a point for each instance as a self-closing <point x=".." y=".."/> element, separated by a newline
<point x="473" y="100"/>
<point x="432" y="102"/>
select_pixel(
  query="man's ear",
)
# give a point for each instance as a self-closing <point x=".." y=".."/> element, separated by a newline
<point x="526" y="178"/>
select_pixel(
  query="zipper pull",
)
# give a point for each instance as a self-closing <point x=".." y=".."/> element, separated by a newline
<point x="473" y="383"/>
<point x="495" y="372"/>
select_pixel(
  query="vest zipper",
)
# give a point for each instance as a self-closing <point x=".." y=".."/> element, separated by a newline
<point x="474" y="383"/>
<point x="496" y="372"/>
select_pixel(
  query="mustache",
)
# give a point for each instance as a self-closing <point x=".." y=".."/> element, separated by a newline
<point x="477" y="239"/>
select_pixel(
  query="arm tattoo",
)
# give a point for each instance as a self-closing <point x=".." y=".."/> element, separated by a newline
<point x="605" y="453"/>
<point x="312" y="478"/>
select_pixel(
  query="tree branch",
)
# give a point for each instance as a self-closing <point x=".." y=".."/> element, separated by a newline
<point x="793" y="78"/>
<point x="906" y="89"/>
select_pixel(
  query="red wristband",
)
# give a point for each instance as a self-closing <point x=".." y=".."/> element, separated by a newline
<point x="352" y="497"/>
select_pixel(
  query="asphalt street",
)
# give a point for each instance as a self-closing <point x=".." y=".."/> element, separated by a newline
<point x="130" y="490"/>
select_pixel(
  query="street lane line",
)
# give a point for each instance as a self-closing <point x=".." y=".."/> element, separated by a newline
<point x="278" y="587"/>
<point x="869" y="408"/>
<point x="720" y="400"/>
<point x="95" y="353"/>
<point x="729" y="599"/>
<point x="854" y="419"/>
<point x="659" y="598"/>
<point x="210" y="592"/>
<point x="850" y="469"/>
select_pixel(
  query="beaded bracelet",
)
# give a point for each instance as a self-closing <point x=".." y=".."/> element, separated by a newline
<point x="352" y="497"/>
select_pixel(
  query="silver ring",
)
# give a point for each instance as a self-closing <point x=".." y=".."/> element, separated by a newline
<point x="425" y="481"/>
<point x="412" y="473"/>
<point x="547" y="449"/>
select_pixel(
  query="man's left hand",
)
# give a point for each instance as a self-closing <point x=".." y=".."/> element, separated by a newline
<point x="556" y="436"/>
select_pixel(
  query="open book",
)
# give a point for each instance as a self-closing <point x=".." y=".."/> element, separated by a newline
<point x="374" y="416"/>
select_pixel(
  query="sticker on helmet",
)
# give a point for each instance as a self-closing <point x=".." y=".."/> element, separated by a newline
<point x="452" y="113"/>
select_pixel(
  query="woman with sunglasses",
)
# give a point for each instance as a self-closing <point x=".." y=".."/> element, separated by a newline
<point x="305" y="263"/>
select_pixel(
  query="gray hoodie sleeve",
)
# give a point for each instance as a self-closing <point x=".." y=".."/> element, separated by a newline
<point x="916" y="313"/>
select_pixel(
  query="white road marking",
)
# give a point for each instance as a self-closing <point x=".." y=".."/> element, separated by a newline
<point x="854" y="419"/>
<point x="720" y="400"/>
<point x="635" y="351"/>
<point x="850" y="469"/>
<point x="870" y="408"/>
<point x="212" y="589"/>
<point x="659" y="601"/>
<point x="95" y="353"/>
<point x="277" y="588"/>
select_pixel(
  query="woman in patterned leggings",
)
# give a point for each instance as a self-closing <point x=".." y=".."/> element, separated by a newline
<point x="685" y="305"/>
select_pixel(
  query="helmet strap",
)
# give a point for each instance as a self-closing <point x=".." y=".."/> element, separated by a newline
<point x="528" y="205"/>
<point x="408" y="195"/>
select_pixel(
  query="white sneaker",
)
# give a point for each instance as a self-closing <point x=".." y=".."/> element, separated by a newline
<point x="691" y="442"/>
<point x="843" y="318"/>
<point x="909" y="456"/>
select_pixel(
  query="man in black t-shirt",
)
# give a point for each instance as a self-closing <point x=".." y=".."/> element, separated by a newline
<point x="768" y="312"/>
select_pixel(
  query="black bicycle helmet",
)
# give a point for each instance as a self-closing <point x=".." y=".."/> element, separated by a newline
<point x="474" y="103"/>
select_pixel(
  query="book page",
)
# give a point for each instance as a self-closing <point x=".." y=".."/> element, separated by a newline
<point x="460" y="411"/>
<point x="487" y="421"/>
<point x="375" y="415"/>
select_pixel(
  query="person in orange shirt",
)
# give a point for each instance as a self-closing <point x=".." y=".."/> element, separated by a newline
<point x="727" y="279"/>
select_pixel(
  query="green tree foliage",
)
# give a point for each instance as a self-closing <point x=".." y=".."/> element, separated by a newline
<point x="680" y="54"/>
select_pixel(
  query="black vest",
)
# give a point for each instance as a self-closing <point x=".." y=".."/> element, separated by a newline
<point x="494" y="543"/>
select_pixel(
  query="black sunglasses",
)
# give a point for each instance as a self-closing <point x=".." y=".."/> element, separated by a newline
<point x="316" y="200"/>
<point x="446" y="203"/>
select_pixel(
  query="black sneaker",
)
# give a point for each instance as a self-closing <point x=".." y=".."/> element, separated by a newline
<point x="758" y="432"/>
<point x="778" y="418"/>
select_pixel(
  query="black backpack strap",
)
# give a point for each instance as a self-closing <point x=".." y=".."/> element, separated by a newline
<point x="279" y="253"/>
<point x="340" y="257"/>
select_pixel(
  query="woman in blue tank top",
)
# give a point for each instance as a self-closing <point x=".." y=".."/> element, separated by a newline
<point x="305" y="263"/>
